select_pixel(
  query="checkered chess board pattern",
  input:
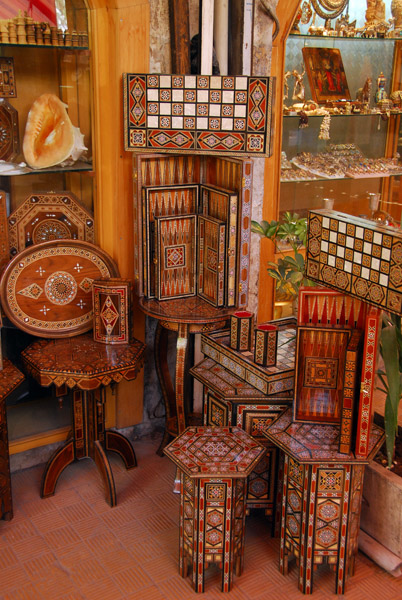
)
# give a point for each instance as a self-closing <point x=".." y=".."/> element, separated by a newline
<point x="198" y="113"/>
<point x="357" y="257"/>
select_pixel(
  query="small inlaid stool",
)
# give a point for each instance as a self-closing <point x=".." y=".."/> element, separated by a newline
<point x="214" y="463"/>
<point x="10" y="378"/>
<point x="229" y="400"/>
<point x="87" y="367"/>
<point x="322" y="493"/>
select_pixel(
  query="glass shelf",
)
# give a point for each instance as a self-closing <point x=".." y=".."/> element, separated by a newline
<point x="315" y="179"/>
<point x="47" y="46"/>
<point x="344" y="39"/>
<point x="79" y="166"/>
<point x="295" y="115"/>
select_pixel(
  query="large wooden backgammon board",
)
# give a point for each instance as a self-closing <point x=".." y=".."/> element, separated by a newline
<point x="46" y="290"/>
<point x="198" y="113"/>
<point x="213" y="187"/>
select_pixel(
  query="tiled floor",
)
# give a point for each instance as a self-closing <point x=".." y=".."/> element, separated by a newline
<point x="73" y="546"/>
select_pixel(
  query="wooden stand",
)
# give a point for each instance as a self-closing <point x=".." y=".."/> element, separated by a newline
<point x="10" y="378"/>
<point x="87" y="367"/>
<point x="214" y="463"/>
<point x="187" y="316"/>
<point x="322" y="493"/>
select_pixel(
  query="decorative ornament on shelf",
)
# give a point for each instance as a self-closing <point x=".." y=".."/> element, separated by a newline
<point x="298" y="87"/>
<point x="306" y="12"/>
<point x="50" y="137"/>
<point x="396" y="11"/>
<point x="324" y="128"/>
<point x="381" y="94"/>
<point x="329" y="9"/>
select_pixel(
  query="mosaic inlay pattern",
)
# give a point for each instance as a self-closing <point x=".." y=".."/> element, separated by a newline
<point x="271" y="380"/>
<point x="207" y="451"/>
<point x="357" y="257"/>
<point x="198" y="113"/>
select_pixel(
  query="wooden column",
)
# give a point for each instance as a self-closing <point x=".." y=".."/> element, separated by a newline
<point x="179" y="36"/>
<point x="286" y="11"/>
<point x="120" y="43"/>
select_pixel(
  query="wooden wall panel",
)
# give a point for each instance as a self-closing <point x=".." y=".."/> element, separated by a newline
<point x="120" y="38"/>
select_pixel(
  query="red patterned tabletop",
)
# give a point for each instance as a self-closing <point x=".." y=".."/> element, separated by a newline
<point x="315" y="443"/>
<point x="215" y="452"/>
<point x="10" y="378"/>
<point x="82" y="362"/>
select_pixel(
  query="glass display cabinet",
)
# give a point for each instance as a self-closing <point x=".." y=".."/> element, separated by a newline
<point x="342" y="156"/>
<point x="38" y="60"/>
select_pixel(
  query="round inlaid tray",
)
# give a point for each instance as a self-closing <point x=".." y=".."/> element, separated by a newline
<point x="46" y="290"/>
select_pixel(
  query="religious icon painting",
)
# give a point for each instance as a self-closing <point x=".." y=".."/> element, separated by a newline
<point x="326" y="74"/>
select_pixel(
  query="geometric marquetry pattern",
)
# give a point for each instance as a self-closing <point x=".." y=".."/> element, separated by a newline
<point x="367" y="382"/>
<point x="167" y="184"/>
<point x="321" y="500"/>
<point x="208" y="451"/>
<point x="112" y="310"/>
<point x="268" y="380"/>
<point x="49" y="216"/>
<point x="313" y="442"/>
<point x="198" y="113"/>
<point x="323" y="306"/>
<point x="212" y="520"/>
<point x="9" y="135"/>
<point x="321" y="354"/>
<point x="176" y="256"/>
<point x="228" y="401"/>
<point x="7" y="79"/>
<point x="357" y="257"/>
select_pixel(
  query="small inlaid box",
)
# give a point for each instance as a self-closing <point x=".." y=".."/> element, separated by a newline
<point x="112" y="300"/>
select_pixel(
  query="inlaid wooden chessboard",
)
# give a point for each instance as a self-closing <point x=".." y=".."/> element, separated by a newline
<point x="357" y="257"/>
<point x="198" y="113"/>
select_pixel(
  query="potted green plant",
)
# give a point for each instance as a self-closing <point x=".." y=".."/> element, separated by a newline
<point x="288" y="271"/>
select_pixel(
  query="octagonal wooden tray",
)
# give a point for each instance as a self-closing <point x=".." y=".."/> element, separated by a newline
<point x="46" y="290"/>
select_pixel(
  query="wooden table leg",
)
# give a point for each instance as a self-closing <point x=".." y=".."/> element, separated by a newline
<point x="63" y="457"/>
<point x="89" y="440"/>
<point x="173" y="396"/>
<point x="165" y="381"/>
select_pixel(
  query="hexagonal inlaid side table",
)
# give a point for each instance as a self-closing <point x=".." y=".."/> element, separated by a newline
<point x="87" y="367"/>
<point x="214" y="463"/>
<point x="10" y="378"/>
<point x="322" y="493"/>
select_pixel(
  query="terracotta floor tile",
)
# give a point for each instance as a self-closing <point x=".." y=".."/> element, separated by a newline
<point x="64" y="536"/>
<point x="74" y="546"/>
<point x="132" y="579"/>
<point x="30" y="547"/>
<point x="7" y="558"/>
<point x="48" y="521"/>
<point x="38" y="567"/>
<point x="102" y="589"/>
<point x="87" y="571"/>
<point x="150" y="593"/>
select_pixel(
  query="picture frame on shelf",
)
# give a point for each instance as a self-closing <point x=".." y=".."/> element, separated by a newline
<point x="326" y="75"/>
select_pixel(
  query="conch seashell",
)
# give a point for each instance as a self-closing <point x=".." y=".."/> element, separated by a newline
<point x="50" y="138"/>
